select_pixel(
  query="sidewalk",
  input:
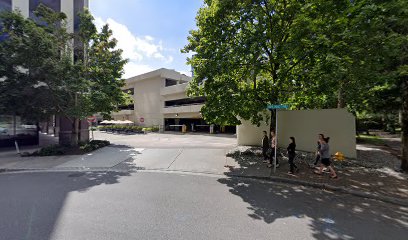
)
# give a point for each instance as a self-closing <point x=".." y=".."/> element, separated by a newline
<point x="372" y="175"/>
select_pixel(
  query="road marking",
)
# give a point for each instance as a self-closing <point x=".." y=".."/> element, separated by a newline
<point x="181" y="150"/>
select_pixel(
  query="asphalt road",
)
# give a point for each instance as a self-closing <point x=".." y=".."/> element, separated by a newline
<point x="156" y="205"/>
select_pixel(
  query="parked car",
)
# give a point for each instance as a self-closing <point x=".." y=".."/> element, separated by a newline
<point x="3" y="130"/>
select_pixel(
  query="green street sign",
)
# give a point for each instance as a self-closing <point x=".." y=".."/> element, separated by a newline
<point x="278" y="106"/>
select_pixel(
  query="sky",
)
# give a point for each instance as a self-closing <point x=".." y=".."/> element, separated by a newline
<point x="150" y="32"/>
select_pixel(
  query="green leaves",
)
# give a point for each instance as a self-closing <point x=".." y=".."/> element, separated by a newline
<point x="40" y="76"/>
<point x="247" y="54"/>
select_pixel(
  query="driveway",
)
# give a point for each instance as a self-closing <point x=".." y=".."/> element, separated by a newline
<point x="170" y="140"/>
<point x="172" y="151"/>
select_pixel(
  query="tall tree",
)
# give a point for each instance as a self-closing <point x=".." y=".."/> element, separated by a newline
<point x="248" y="54"/>
<point x="38" y="74"/>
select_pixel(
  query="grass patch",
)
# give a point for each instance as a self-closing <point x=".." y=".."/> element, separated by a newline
<point x="370" y="139"/>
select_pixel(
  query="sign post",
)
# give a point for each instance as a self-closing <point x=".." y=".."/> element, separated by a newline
<point x="91" y="120"/>
<point x="276" y="107"/>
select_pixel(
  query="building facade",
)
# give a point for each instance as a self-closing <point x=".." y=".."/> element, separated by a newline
<point x="71" y="8"/>
<point x="160" y="99"/>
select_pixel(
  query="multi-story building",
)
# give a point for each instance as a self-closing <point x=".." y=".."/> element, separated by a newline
<point x="71" y="8"/>
<point x="160" y="100"/>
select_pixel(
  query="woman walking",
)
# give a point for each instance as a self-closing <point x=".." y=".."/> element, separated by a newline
<point x="291" y="154"/>
<point x="325" y="158"/>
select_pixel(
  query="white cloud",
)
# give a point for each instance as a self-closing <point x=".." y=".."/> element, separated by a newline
<point x="135" y="48"/>
<point x="186" y="73"/>
<point x="133" y="69"/>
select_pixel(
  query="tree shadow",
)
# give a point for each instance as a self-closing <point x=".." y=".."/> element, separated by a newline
<point x="366" y="176"/>
<point x="32" y="202"/>
<point x="329" y="216"/>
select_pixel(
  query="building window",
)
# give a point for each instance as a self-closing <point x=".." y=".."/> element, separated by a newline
<point x="184" y="101"/>
<point x="53" y="4"/>
<point x="78" y="7"/>
<point x="170" y="82"/>
<point x="127" y="107"/>
<point x="5" y="5"/>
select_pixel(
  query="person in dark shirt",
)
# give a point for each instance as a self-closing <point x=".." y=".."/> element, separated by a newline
<point x="265" y="146"/>
<point x="321" y="136"/>
<point x="291" y="154"/>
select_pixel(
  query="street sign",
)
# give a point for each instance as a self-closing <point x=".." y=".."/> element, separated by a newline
<point x="141" y="119"/>
<point x="91" y="119"/>
<point x="277" y="106"/>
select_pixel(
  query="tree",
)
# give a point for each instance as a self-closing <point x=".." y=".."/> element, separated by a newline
<point x="311" y="54"/>
<point x="28" y="56"/>
<point x="394" y="37"/>
<point x="248" y="54"/>
<point x="41" y="77"/>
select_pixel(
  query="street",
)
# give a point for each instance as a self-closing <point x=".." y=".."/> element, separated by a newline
<point x="164" y="205"/>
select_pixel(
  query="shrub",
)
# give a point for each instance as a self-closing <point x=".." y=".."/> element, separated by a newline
<point x="52" y="150"/>
<point x="93" y="145"/>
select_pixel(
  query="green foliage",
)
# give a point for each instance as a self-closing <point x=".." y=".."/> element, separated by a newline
<point x="53" y="150"/>
<point x="39" y="76"/>
<point x="93" y="145"/>
<point x="84" y="147"/>
<point x="150" y="129"/>
<point x="136" y="129"/>
<point x="249" y="54"/>
<point x="33" y="63"/>
<point x="370" y="139"/>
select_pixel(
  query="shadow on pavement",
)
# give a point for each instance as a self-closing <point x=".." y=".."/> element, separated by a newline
<point x="368" y="175"/>
<point x="31" y="203"/>
<point x="329" y="216"/>
<point x="270" y="202"/>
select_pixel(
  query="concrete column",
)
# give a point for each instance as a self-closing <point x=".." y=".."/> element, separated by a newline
<point x="67" y="7"/>
<point x="21" y="5"/>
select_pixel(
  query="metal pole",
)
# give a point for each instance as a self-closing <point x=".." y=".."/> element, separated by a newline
<point x="92" y="131"/>
<point x="17" y="148"/>
<point x="276" y="139"/>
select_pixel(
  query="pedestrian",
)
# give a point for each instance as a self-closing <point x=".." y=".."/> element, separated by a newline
<point x="321" y="136"/>
<point x="273" y="149"/>
<point x="291" y="154"/>
<point x="265" y="146"/>
<point x="325" y="158"/>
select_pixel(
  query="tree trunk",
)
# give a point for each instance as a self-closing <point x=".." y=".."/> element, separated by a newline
<point x="75" y="132"/>
<point x="272" y="125"/>
<point x="340" y="97"/>
<point x="404" y="125"/>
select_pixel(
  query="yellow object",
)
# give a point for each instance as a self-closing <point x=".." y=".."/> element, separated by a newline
<point x="183" y="128"/>
<point x="339" y="156"/>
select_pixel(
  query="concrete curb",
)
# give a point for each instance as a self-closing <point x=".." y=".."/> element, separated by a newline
<point x="396" y="201"/>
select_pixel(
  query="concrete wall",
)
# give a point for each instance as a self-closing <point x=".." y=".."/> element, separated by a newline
<point x="148" y="102"/>
<point x="21" y="5"/>
<point x="251" y="135"/>
<point x="305" y="125"/>
<point x="67" y="7"/>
